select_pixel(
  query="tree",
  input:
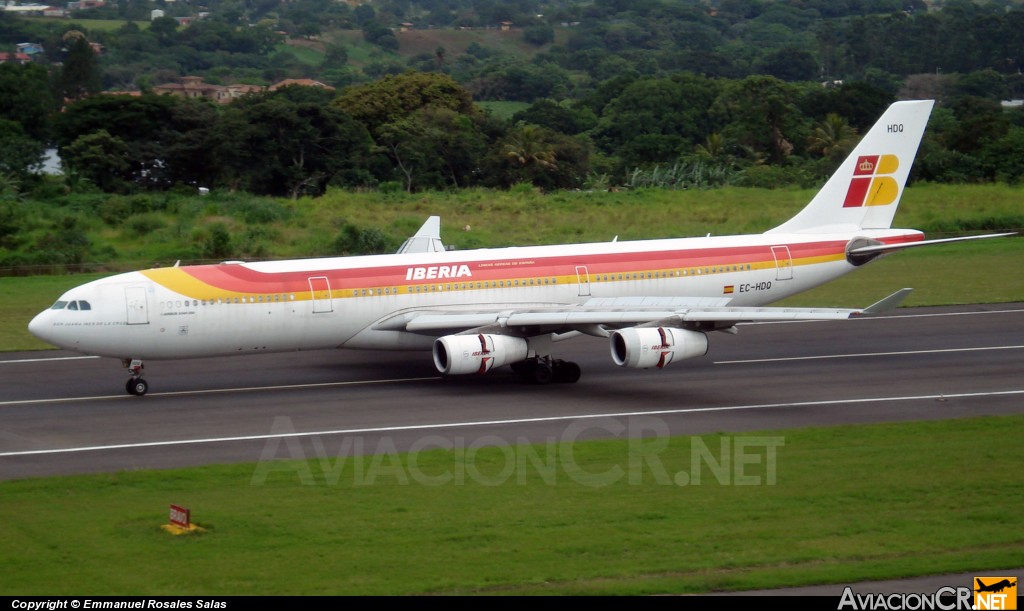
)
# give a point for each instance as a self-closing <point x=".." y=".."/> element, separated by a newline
<point x="164" y="29"/>
<point x="166" y="139"/>
<point x="552" y="115"/>
<point x="527" y="147"/>
<point x="271" y="145"/>
<point x="539" y="156"/>
<point x="80" y="75"/>
<point x="982" y="84"/>
<point x="833" y="138"/>
<point x="760" y="113"/>
<point x="19" y="153"/>
<point x="394" y="97"/>
<point x="100" y="158"/>
<point x="539" y="35"/>
<point x="515" y="79"/>
<point x="791" y="64"/>
<point x="25" y="98"/>
<point x="656" y="120"/>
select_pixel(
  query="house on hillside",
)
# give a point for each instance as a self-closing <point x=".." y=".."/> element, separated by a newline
<point x="82" y="5"/>
<point x="27" y="9"/>
<point x="14" y="58"/>
<point x="194" y="87"/>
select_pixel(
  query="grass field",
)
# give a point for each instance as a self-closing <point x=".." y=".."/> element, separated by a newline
<point x="825" y="505"/>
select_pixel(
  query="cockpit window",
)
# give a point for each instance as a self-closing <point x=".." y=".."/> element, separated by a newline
<point x="72" y="305"/>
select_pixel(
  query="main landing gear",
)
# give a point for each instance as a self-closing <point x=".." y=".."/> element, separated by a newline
<point x="545" y="370"/>
<point x="135" y="384"/>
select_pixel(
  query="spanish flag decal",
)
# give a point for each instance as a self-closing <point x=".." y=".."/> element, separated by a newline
<point x="728" y="290"/>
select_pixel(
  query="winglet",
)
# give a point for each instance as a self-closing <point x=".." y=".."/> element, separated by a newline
<point x="889" y="303"/>
<point x="427" y="239"/>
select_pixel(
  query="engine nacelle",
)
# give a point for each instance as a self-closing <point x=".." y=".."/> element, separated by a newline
<point x="656" y="346"/>
<point x="462" y="354"/>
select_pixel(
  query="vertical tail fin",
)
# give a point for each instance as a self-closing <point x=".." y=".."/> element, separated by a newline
<point x="866" y="189"/>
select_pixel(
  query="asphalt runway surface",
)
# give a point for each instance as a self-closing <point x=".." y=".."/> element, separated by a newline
<point x="63" y="414"/>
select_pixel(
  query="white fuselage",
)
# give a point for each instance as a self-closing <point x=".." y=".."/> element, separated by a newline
<point x="357" y="302"/>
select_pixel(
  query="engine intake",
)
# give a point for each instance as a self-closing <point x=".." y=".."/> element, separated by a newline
<point x="646" y="347"/>
<point x="463" y="354"/>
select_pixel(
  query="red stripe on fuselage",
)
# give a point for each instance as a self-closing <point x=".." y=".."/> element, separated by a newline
<point x="242" y="279"/>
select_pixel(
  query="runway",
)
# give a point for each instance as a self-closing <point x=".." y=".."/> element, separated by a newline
<point x="63" y="414"/>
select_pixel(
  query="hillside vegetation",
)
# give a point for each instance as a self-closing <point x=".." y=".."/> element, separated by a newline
<point x="116" y="232"/>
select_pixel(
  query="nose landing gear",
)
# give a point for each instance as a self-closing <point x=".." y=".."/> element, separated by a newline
<point x="135" y="384"/>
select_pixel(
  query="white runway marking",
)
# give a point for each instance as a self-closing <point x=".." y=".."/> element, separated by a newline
<point x="214" y="391"/>
<point x="447" y="425"/>
<point x="53" y="358"/>
<point x="863" y="354"/>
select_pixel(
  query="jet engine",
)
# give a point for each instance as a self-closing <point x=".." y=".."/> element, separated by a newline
<point x="462" y="354"/>
<point x="645" y="347"/>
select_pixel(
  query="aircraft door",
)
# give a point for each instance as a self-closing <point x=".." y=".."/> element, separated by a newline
<point x="583" y="276"/>
<point x="783" y="263"/>
<point x="135" y="301"/>
<point x="320" y="291"/>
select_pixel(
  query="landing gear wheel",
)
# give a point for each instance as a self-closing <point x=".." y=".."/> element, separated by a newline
<point x="567" y="372"/>
<point x="544" y="370"/>
<point x="535" y="371"/>
<point x="137" y="387"/>
<point x="542" y="374"/>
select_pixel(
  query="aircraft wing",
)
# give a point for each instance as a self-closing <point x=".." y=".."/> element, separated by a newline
<point x="596" y="316"/>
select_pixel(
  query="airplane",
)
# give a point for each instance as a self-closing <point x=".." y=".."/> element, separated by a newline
<point x="655" y="301"/>
<point x="998" y="586"/>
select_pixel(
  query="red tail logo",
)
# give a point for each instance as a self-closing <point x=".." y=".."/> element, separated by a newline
<point x="872" y="183"/>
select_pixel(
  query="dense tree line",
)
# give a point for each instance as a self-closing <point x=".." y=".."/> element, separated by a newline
<point x="422" y="130"/>
<point x="579" y="45"/>
<point x="727" y="95"/>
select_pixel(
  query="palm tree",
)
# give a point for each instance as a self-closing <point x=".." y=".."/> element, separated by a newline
<point x="834" y="137"/>
<point x="713" y="147"/>
<point x="527" y="147"/>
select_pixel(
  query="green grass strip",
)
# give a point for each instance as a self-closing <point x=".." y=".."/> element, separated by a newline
<point x="597" y="517"/>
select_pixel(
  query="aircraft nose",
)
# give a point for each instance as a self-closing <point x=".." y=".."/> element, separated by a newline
<point x="41" y="326"/>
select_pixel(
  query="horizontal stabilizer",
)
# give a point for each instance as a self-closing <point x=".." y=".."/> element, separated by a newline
<point x="884" y="248"/>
